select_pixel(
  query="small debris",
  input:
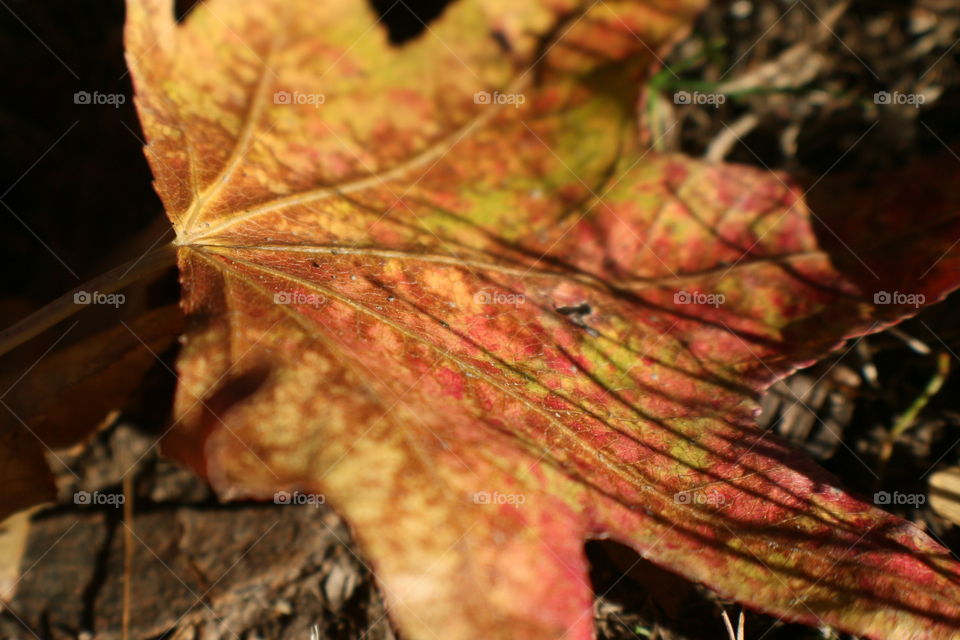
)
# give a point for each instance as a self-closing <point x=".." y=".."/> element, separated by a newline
<point x="577" y="314"/>
<point x="340" y="583"/>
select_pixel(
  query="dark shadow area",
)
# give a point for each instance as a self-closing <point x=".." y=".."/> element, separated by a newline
<point x="407" y="19"/>
<point x="635" y="598"/>
<point x="75" y="185"/>
<point x="183" y="8"/>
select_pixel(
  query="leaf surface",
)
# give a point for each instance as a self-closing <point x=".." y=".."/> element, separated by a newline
<point x="489" y="326"/>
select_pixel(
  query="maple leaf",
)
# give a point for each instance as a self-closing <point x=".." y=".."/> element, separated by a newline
<point x="443" y="285"/>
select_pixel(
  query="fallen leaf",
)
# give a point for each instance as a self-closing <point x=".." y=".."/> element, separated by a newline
<point x="13" y="541"/>
<point x="945" y="493"/>
<point x="56" y="399"/>
<point x="443" y="287"/>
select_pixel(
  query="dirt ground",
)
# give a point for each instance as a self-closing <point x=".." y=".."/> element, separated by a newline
<point x="800" y="82"/>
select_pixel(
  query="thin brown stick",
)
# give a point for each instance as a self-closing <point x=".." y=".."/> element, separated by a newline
<point x="65" y="306"/>
<point x="127" y="551"/>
